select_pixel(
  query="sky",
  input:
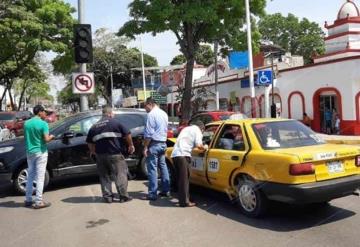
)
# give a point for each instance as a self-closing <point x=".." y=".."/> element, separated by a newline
<point x="112" y="14"/>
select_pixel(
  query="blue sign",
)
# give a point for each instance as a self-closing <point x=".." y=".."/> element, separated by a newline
<point x="245" y="83"/>
<point x="238" y="59"/>
<point x="264" y="77"/>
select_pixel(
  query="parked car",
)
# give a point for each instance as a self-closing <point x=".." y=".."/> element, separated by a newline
<point x="68" y="153"/>
<point x="258" y="160"/>
<point x="5" y="133"/>
<point x="14" y="121"/>
<point x="51" y="116"/>
<point x="205" y="117"/>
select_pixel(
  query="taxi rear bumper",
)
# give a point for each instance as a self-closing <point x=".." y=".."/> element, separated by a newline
<point x="311" y="192"/>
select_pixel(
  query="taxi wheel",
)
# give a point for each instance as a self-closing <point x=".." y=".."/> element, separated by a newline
<point x="252" y="201"/>
<point x="20" y="180"/>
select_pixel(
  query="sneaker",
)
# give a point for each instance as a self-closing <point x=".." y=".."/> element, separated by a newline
<point x="125" y="199"/>
<point x="165" y="194"/>
<point x="28" y="204"/>
<point x="40" y="205"/>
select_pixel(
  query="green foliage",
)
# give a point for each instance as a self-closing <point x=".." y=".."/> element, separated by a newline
<point x="300" y="37"/>
<point x="32" y="81"/>
<point x="193" y="22"/>
<point x="66" y="97"/>
<point x="204" y="56"/>
<point x="110" y="52"/>
<point x="178" y="60"/>
<point x="30" y="26"/>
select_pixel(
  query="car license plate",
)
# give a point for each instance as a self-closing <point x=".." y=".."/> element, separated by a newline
<point x="335" y="167"/>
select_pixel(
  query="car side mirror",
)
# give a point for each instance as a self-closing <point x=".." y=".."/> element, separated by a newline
<point x="68" y="135"/>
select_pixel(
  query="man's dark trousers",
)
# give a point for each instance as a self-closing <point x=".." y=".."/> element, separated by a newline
<point x="112" y="167"/>
<point x="182" y="165"/>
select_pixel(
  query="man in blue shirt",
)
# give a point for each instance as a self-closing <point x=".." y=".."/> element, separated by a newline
<point x="154" y="149"/>
<point x="106" y="140"/>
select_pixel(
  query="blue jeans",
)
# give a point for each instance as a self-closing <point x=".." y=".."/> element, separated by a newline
<point x="36" y="172"/>
<point x="155" y="158"/>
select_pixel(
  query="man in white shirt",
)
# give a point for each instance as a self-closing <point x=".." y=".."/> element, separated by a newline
<point x="189" y="138"/>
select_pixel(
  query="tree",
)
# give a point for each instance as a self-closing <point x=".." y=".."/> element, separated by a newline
<point x="303" y="37"/>
<point x="110" y="52"/>
<point x="178" y="60"/>
<point x="28" y="27"/>
<point x="67" y="98"/>
<point x="204" y="56"/>
<point x="32" y="81"/>
<point x="193" y="22"/>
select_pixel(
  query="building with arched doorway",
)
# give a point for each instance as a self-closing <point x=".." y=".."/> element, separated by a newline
<point x="328" y="87"/>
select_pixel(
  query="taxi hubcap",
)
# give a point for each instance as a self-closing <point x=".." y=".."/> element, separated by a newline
<point x="247" y="198"/>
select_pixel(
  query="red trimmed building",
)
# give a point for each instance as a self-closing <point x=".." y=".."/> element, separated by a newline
<point x="332" y="82"/>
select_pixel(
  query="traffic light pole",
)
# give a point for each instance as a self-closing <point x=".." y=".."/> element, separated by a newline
<point x="84" y="104"/>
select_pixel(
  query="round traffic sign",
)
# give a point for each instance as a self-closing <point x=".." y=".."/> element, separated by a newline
<point x="83" y="83"/>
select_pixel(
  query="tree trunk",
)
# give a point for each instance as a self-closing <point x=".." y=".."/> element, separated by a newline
<point x="11" y="101"/>
<point x="186" y="107"/>
<point x="2" y="98"/>
<point x="22" y="94"/>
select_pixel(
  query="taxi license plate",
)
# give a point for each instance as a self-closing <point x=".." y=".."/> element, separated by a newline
<point x="335" y="167"/>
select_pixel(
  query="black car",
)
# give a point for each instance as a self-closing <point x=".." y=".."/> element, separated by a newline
<point x="68" y="152"/>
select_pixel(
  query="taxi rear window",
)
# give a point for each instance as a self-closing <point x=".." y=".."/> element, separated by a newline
<point x="285" y="134"/>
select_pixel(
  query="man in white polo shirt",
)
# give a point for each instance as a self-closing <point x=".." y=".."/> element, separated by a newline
<point x="189" y="138"/>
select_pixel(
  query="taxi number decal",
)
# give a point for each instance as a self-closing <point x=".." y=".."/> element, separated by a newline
<point x="197" y="164"/>
<point x="213" y="165"/>
<point x="323" y="156"/>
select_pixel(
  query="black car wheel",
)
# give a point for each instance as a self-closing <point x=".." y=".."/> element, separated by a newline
<point x="143" y="169"/>
<point x="251" y="199"/>
<point x="20" y="180"/>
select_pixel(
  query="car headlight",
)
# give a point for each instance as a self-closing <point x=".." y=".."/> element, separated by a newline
<point x="6" y="149"/>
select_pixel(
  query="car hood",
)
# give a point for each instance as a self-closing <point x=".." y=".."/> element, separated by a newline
<point x="13" y="142"/>
<point x="321" y="152"/>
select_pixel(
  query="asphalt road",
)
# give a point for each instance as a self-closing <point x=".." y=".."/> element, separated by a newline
<point x="79" y="218"/>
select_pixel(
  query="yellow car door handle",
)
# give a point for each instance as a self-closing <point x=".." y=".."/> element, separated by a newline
<point x="235" y="157"/>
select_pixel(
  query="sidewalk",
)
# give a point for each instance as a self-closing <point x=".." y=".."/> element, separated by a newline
<point x="339" y="139"/>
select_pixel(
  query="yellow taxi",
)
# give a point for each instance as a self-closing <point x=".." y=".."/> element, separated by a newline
<point x="257" y="160"/>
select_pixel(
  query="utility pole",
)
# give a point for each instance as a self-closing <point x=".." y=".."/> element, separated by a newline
<point x="143" y="69"/>
<point x="84" y="104"/>
<point x="112" y="86"/>
<point x="273" y="106"/>
<point x="216" y="74"/>
<point x="251" y="69"/>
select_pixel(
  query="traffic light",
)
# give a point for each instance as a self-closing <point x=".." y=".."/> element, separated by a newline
<point x="83" y="43"/>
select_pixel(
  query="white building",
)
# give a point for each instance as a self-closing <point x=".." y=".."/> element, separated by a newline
<point x="332" y="82"/>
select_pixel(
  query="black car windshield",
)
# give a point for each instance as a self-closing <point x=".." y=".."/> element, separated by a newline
<point x="56" y="124"/>
<point x="131" y="120"/>
<point x="7" y="116"/>
<point x="285" y="134"/>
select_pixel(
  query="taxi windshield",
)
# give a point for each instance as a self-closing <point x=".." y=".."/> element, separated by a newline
<point x="285" y="134"/>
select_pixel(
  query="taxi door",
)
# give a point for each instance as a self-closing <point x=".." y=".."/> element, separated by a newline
<point x="198" y="167"/>
<point x="225" y="156"/>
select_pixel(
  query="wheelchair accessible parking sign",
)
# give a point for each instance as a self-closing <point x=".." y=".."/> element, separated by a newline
<point x="264" y="77"/>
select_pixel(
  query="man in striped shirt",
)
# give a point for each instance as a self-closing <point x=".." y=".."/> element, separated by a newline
<point x="106" y="140"/>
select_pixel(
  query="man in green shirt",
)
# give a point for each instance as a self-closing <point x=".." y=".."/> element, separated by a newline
<point x="36" y="133"/>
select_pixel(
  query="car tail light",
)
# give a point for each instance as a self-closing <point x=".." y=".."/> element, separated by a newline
<point x="301" y="169"/>
<point x="357" y="160"/>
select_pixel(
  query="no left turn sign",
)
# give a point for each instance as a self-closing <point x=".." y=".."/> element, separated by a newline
<point x="83" y="83"/>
